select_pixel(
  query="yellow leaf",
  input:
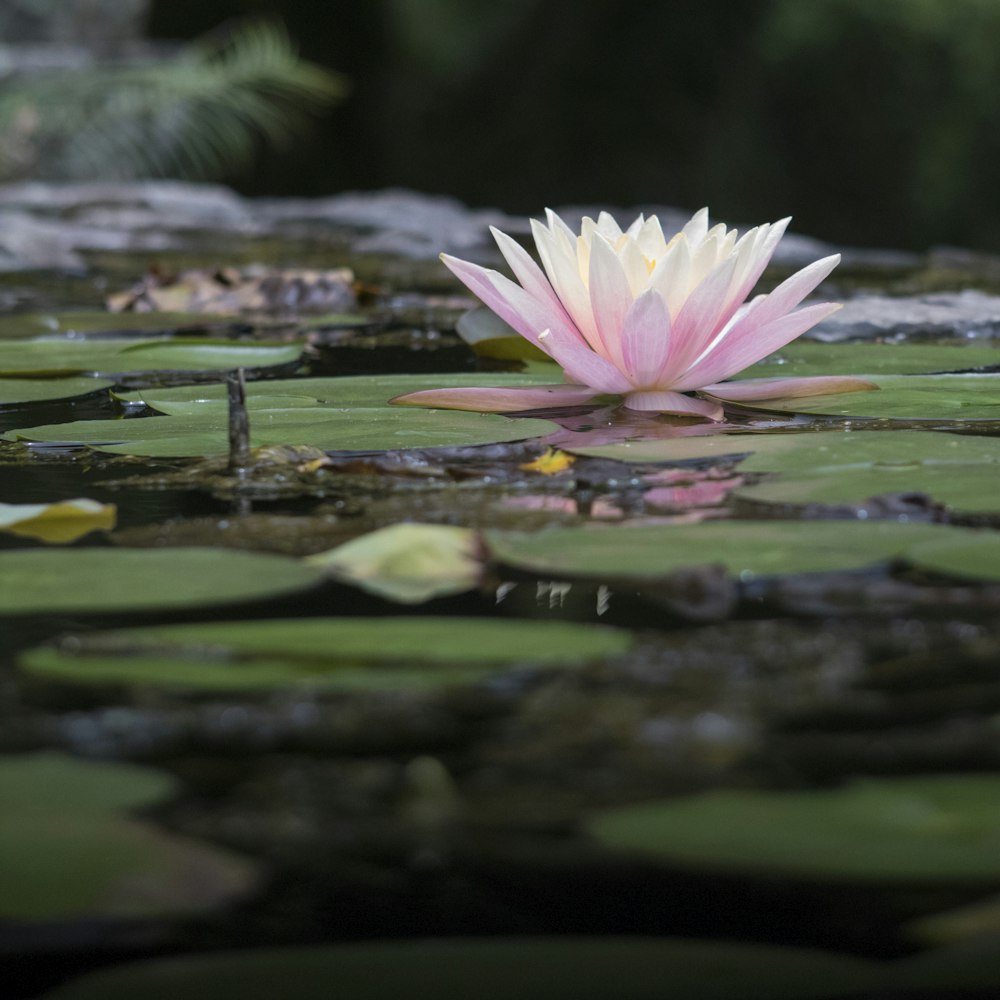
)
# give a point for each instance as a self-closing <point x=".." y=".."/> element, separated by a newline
<point x="410" y="563"/>
<point x="64" y="521"/>
<point x="550" y="463"/>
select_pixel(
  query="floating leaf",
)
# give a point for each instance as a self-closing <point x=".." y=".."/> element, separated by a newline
<point x="17" y="391"/>
<point x="63" y="521"/>
<point x="939" y="829"/>
<point x="111" y="356"/>
<point x="490" y="337"/>
<point x="349" y="414"/>
<point x="744" y="548"/>
<point x="367" y="653"/>
<point x="907" y="397"/>
<point x="102" y="580"/>
<point x="362" y="429"/>
<point x="973" y="555"/>
<point x="356" y="390"/>
<point x="71" y="850"/>
<point x="27" y="325"/>
<point x="407" y="562"/>
<point x="808" y="451"/>
<point x="803" y="357"/>
<point x="563" y="968"/>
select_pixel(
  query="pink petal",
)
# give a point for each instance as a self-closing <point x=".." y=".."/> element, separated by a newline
<point x="527" y="272"/>
<point x="747" y="343"/>
<point x="700" y="318"/>
<point x="787" y="388"/>
<point x="587" y="367"/>
<point x="674" y="402"/>
<point x="646" y="339"/>
<point x="610" y="297"/>
<point x="793" y="290"/>
<point x="485" y="399"/>
<point x="526" y="313"/>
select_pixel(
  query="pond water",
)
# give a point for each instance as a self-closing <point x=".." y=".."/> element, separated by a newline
<point x="648" y="701"/>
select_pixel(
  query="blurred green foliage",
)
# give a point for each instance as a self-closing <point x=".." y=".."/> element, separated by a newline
<point x="198" y="114"/>
<point x="872" y="121"/>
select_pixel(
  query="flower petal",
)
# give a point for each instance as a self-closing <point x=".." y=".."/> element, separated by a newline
<point x="610" y="298"/>
<point x="527" y="272"/>
<point x="560" y="263"/>
<point x="485" y="399"/>
<point x="587" y="367"/>
<point x="787" y="388"/>
<point x="701" y="316"/>
<point x="747" y="343"/>
<point x="674" y="402"/>
<point x="526" y="313"/>
<point x="646" y="339"/>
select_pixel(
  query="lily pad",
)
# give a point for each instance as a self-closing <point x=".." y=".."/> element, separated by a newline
<point x="28" y="325"/>
<point x="744" y="548"/>
<point x="36" y="581"/>
<point x="18" y="391"/>
<point x="353" y="653"/>
<point x="490" y="337"/>
<point x="63" y="521"/>
<point x="111" y="356"/>
<point x="361" y="429"/>
<point x="803" y="451"/>
<point x="564" y="968"/>
<point x="940" y="829"/>
<point x="906" y="397"/>
<point x="407" y="562"/>
<point x="356" y="390"/>
<point x="803" y="357"/>
<point x="72" y="851"/>
<point x="348" y="414"/>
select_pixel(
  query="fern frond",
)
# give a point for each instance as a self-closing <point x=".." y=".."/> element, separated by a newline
<point x="203" y="113"/>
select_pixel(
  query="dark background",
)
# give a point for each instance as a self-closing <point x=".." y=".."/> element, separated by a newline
<point x="871" y="121"/>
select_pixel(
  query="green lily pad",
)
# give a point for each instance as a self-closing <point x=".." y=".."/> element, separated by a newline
<point x="744" y="548"/>
<point x="906" y="397"/>
<point x="973" y="555"/>
<point x="28" y="325"/>
<point x="347" y="414"/>
<point x="971" y="488"/>
<point x="111" y="356"/>
<point x="490" y="337"/>
<point x="355" y="390"/>
<point x="353" y="653"/>
<point x="362" y="429"/>
<point x="18" y="391"/>
<point x="799" y="452"/>
<point x="113" y="580"/>
<point x="72" y="851"/>
<point x="939" y="829"/>
<point x="803" y="357"/>
<point x="564" y="968"/>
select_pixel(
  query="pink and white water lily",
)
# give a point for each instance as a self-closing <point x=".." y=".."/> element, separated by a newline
<point x="662" y="322"/>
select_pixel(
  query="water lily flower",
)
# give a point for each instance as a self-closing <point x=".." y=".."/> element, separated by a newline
<point x="633" y="314"/>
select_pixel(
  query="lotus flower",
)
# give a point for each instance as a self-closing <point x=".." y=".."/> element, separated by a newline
<point x="634" y="314"/>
